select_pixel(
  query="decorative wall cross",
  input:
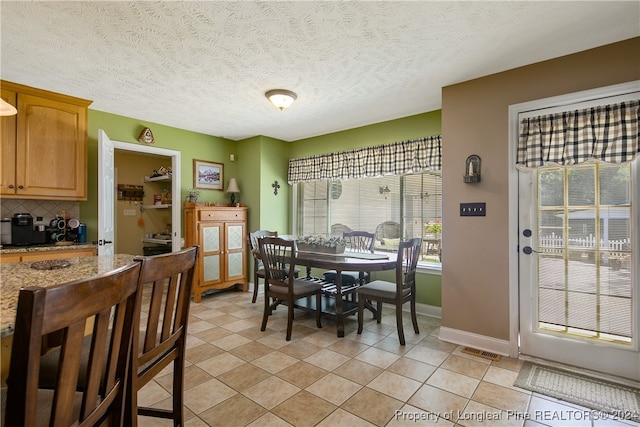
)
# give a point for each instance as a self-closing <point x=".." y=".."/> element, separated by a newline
<point x="275" y="186"/>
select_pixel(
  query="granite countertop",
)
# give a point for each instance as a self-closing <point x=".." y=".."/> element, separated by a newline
<point x="42" y="248"/>
<point x="15" y="276"/>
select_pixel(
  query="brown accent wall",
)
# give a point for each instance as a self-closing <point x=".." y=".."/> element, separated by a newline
<point x="475" y="281"/>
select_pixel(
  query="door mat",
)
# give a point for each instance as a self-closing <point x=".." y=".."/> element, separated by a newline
<point x="618" y="400"/>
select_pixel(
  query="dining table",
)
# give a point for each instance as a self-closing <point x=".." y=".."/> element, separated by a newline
<point x="336" y="302"/>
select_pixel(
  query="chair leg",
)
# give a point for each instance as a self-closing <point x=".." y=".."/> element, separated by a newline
<point x="178" y="388"/>
<point x="319" y="310"/>
<point x="399" y="324"/>
<point x="360" y="313"/>
<point x="289" y="320"/>
<point x="379" y="312"/>
<point x="267" y="308"/>
<point x="414" y="318"/>
<point x="255" y="288"/>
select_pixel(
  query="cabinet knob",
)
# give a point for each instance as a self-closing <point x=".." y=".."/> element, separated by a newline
<point x="10" y="185"/>
<point x="21" y="187"/>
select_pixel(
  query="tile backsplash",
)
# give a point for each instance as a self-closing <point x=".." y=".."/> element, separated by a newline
<point x="47" y="209"/>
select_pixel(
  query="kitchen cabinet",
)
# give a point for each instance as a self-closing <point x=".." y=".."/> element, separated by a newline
<point x="44" y="147"/>
<point x="221" y="234"/>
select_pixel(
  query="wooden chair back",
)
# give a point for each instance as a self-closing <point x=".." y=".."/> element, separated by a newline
<point x="167" y="281"/>
<point x="110" y="300"/>
<point x="278" y="255"/>
<point x="406" y="265"/>
<point x="258" y="271"/>
<point x="360" y="241"/>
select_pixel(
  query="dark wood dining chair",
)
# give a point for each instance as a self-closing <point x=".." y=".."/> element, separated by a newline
<point x="110" y="301"/>
<point x="357" y="241"/>
<point x="278" y="257"/>
<point x="258" y="269"/>
<point x="398" y="293"/>
<point x="168" y="279"/>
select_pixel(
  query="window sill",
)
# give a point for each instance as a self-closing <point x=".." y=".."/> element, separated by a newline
<point x="433" y="268"/>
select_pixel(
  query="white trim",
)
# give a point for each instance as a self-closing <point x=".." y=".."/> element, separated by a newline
<point x="481" y="342"/>
<point x="426" y="310"/>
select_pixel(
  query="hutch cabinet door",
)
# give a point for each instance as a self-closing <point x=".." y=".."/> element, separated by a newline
<point x="235" y="238"/>
<point x="211" y="241"/>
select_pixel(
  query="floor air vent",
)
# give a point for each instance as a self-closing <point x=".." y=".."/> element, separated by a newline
<point x="482" y="353"/>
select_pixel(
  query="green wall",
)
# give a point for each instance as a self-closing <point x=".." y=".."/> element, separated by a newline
<point x="190" y="144"/>
<point x="259" y="161"/>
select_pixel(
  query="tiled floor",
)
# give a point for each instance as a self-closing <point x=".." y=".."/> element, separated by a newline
<point x="237" y="375"/>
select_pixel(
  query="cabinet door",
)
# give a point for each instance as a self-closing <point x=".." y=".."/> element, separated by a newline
<point x="51" y="149"/>
<point x="8" y="148"/>
<point x="235" y="239"/>
<point x="211" y="246"/>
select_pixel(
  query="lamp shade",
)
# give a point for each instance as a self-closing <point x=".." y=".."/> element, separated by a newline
<point x="232" y="187"/>
<point x="7" y="109"/>
<point x="281" y="98"/>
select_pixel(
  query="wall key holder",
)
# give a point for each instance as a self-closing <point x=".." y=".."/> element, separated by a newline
<point x="472" y="169"/>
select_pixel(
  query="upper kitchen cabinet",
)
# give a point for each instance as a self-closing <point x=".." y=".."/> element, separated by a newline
<point x="44" y="147"/>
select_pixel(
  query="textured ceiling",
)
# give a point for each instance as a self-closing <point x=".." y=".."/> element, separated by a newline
<point x="205" y="66"/>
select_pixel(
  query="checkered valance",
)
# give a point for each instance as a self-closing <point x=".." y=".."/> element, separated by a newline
<point x="398" y="158"/>
<point x="607" y="133"/>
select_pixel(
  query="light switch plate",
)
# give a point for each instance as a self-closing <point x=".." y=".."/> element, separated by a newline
<point x="473" y="209"/>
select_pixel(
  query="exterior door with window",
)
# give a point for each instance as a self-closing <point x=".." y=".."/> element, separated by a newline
<point x="578" y="263"/>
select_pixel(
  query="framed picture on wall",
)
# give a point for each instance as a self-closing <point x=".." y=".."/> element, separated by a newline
<point x="208" y="175"/>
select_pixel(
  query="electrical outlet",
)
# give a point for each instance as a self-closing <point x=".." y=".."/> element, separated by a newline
<point x="129" y="212"/>
<point x="473" y="209"/>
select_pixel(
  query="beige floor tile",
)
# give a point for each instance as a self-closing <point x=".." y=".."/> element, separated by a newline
<point x="300" y="349"/>
<point x="443" y="403"/>
<point x="269" y="420"/>
<point x="223" y="319"/>
<point x="271" y="392"/>
<point x="358" y="371"/>
<point x="334" y="389"/>
<point x="454" y="382"/>
<point x="411" y="416"/>
<point x="503" y="377"/>
<point x="243" y="377"/>
<point x="213" y="334"/>
<point x="274" y="362"/>
<point x="273" y="339"/>
<point x="395" y="385"/>
<point x="327" y="359"/>
<point x="342" y="418"/>
<point x="239" y="325"/>
<point x="194" y="422"/>
<point x="435" y="343"/>
<point x="235" y="411"/>
<point x="251" y="351"/>
<point x="322" y="339"/>
<point x="349" y="348"/>
<point x="202" y="352"/>
<point x="366" y="337"/>
<point x="479" y="415"/>
<point x="304" y="409"/>
<point x="501" y="397"/>
<point x="378" y="328"/>
<point x="373" y="406"/>
<point x="412" y="369"/>
<point x="302" y="374"/>
<point x="220" y="364"/>
<point x="231" y="341"/>
<point x="509" y="363"/>
<point x="206" y="395"/>
<point x="199" y="326"/>
<point x="380" y="358"/>
<point x="427" y="355"/>
<point x="464" y="366"/>
<point x="193" y="341"/>
<point x="392" y="345"/>
<point x="151" y="394"/>
<point x="193" y="376"/>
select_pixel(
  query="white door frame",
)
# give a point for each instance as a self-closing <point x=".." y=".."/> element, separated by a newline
<point x="176" y="208"/>
<point x="514" y="111"/>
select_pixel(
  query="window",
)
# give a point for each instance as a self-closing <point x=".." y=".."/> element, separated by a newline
<point x="392" y="207"/>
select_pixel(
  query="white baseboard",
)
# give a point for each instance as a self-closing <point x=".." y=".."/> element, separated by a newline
<point x="426" y="310"/>
<point x="469" y="339"/>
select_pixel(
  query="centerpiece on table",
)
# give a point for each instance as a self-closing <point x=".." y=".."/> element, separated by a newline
<point x="317" y="243"/>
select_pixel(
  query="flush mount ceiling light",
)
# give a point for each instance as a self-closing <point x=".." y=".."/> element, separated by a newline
<point x="281" y="98"/>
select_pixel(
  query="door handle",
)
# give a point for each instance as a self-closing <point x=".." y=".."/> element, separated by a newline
<point x="528" y="250"/>
<point x="103" y="242"/>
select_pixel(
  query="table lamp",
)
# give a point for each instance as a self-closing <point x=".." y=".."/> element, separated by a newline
<point x="232" y="188"/>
